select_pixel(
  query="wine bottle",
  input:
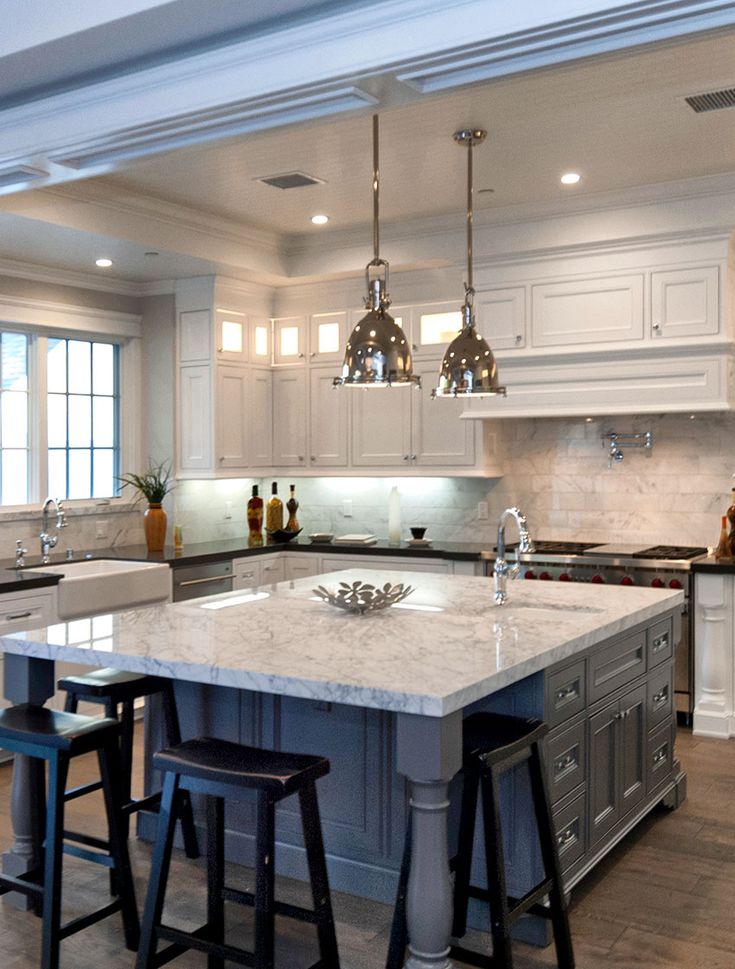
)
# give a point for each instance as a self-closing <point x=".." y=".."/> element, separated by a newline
<point x="274" y="511"/>
<point x="255" y="519"/>
<point x="292" y="525"/>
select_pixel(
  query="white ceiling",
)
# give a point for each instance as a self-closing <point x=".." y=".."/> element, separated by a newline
<point x="620" y="121"/>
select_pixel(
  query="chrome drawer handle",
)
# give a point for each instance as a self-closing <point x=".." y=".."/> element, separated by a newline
<point x="246" y="575"/>
<point x="565" y="762"/>
<point x="661" y="755"/>
<point x="660" y="642"/>
<point x="661" y="697"/>
<point x="568" y="836"/>
<point x="567" y="692"/>
<point x="18" y="615"/>
<point x="214" y="578"/>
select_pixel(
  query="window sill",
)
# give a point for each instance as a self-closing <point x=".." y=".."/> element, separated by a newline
<point x="73" y="509"/>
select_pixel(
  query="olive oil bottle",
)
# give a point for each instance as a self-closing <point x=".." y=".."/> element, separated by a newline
<point x="274" y="511"/>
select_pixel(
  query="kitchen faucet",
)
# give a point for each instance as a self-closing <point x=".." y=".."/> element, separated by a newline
<point x="47" y="541"/>
<point x="502" y="569"/>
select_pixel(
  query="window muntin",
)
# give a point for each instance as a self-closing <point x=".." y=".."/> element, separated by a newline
<point x="83" y="423"/>
<point x="14" y="444"/>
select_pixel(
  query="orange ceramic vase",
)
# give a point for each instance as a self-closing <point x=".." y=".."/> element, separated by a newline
<point x="154" y="525"/>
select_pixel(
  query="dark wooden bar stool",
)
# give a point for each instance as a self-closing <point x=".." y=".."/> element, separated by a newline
<point x="221" y="769"/>
<point x="117" y="691"/>
<point x="56" y="738"/>
<point x="493" y="744"/>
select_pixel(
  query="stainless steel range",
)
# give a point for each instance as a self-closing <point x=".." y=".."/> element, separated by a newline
<point x="658" y="566"/>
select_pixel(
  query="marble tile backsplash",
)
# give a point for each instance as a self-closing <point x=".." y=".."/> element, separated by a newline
<point x="556" y="471"/>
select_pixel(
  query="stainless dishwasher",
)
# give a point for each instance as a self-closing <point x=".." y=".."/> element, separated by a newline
<point x="193" y="581"/>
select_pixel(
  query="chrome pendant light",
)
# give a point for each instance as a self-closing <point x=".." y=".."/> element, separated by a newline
<point x="378" y="353"/>
<point x="468" y="368"/>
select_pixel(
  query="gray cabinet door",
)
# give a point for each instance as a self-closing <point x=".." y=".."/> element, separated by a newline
<point x="632" y="749"/>
<point x="604" y="753"/>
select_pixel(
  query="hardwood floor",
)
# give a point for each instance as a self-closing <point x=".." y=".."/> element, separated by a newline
<point x="662" y="899"/>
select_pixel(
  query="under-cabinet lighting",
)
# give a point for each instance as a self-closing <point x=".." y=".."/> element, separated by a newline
<point x="236" y="601"/>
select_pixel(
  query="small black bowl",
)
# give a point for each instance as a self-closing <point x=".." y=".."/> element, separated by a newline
<point x="281" y="535"/>
<point x="418" y="533"/>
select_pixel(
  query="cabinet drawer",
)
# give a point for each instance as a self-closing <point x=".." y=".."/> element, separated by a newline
<point x="660" y="641"/>
<point x="660" y="689"/>
<point x="570" y="824"/>
<point x="566" y="760"/>
<point x="26" y="612"/>
<point x="660" y="754"/>
<point x="565" y="693"/>
<point x="616" y="665"/>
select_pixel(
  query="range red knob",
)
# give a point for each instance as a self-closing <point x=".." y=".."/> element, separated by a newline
<point x="597" y="579"/>
<point x="545" y="576"/>
<point x="658" y="584"/>
<point x="565" y="577"/>
<point x="675" y="584"/>
<point x="529" y="574"/>
<point x="626" y="580"/>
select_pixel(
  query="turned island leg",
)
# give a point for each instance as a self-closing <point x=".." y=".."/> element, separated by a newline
<point x="429" y="754"/>
<point x="27" y="680"/>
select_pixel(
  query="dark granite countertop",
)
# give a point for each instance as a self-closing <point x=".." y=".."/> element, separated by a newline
<point x="708" y="563"/>
<point x="15" y="580"/>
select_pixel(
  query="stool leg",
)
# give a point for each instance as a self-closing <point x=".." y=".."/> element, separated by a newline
<point x="53" y="854"/>
<point x="550" y="856"/>
<point x="215" y="876"/>
<point x="265" y="882"/>
<point x="463" y="858"/>
<point x="495" y="868"/>
<point x="71" y="703"/>
<point x="399" y="927"/>
<point x="314" y="843"/>
<point x="160" y="864"/>
<point x="110" y="771"/>
<point x="173" y="736"/>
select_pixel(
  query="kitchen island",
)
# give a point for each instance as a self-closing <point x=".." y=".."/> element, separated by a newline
<point x="384" y="695"/>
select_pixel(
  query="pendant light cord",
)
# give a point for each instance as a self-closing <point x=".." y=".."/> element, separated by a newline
<point x="469" y="285"/>
<point x="376" y="191"/>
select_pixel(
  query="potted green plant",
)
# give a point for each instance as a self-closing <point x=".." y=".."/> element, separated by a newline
<point x="153" y="485"/>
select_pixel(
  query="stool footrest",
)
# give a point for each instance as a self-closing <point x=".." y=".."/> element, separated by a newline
<point x="152" y="801"/>
<point x="280" y="908"/>
<point x="96" y="857"/>
<point x="74" y="792"/>
<point x="84" y="921"/>
<point x="24" y="883"/>
<point x="519" y="906"/>
<point x="198" y="940"/>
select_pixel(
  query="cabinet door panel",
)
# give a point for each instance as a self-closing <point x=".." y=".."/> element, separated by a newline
<point x="289" y="335"/>
<point x="195" y="419"/>
<point x="381" y="424"/>
<point x="327" y="336"/>
<point x="261" y="422"/>
<point x="576" y="312"/>
<point x="439" y="438"/>
<point x="603" y="747"/>
<point x="685" y="302"/>
<point x="233" y="417"/>
<point x="328" y="413"/>
<point x="633" y="749"/>
<point x="501" y="317"/>
<point x="289" y="418"/>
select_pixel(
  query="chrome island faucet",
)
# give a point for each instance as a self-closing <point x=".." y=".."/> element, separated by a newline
<point x="47" y="541"/>
<point x="502" y="569"/>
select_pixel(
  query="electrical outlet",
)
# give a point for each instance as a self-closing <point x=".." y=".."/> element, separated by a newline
<point x="347" y="507"/>
<point x="228" y="510"/>
<point x="100" y="528"/>
<point x="483" y="512"/>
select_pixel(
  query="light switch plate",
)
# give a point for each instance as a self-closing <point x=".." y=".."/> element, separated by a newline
<point x="347" y="507"/>
<point x="100" y="528"/>
<point x="483" y="512"/>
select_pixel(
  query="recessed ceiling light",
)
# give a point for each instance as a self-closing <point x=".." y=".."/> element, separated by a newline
<point x="588" y="420"/>
<point x="320" y="219"/>
<point x="570" y="178"/>
<point x="103" y="262"/>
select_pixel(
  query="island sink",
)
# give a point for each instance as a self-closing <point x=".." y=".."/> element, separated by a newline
<point x="103" y="585"/>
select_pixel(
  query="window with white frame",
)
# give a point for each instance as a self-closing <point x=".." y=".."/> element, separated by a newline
<point x="59" y="417"/>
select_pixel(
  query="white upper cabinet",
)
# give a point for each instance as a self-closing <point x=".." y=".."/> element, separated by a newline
<point x="327" y="336"/>
<point x="261" y="417"/>
<point x="195" y="418"/>
<point x="576" y="312"/>
<point x="289" y="418"/>
<point x="501" y="317"/>
<point x="195" y="336"/>
<point x="381" y="425"/>
<point x="328" y="419"/>
<point x="261" y="340"/>
<point x="289" y="335"/>
<point x="434" y="326"/>
<point x="439" y="438"/>
<point x="231" y="335"/>
<point x="234" y="417"/>
<point x="685" y="302"/>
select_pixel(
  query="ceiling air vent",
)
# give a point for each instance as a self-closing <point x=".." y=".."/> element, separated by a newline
<point x="290" y="180"/>
<point x="712" y="101"/>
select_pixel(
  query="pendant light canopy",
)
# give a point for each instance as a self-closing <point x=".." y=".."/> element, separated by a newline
<point x="468" y="368"/>
<point x="378" y="353"/>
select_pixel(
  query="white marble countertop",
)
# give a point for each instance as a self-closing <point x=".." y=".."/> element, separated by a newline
<point x="442" y="648"/>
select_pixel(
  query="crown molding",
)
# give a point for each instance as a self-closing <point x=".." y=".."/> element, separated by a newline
<point x="68" y="277"/>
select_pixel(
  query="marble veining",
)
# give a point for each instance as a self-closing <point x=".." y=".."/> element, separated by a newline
<point x="444" y="647"/>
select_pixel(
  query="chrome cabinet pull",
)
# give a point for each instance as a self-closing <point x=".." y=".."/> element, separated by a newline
<point x="567" y="692"/>
<point x="565" y="762"/>
<point x="660" y="755"/>
<point x="568" y="836"/>
<point x="661" y="697"/>
<point x="18" y="615"/>
<point x="214" y="578"/>
<point x="660" y="642"/>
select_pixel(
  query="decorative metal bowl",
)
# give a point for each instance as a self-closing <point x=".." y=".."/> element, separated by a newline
<point x="361" y="597"/>
<point x="280" y="535"/>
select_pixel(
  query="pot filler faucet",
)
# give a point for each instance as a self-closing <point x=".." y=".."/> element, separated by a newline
<point x="502" y="569"/>
<point x="47" y="541"/>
